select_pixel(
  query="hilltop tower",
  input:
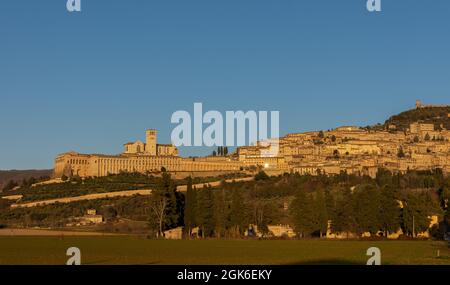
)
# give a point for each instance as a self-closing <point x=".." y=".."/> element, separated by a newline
<point x="418" y="104"/>
<point x="150" y="142"/>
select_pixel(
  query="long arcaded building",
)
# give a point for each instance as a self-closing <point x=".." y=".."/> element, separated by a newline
<point x="139" y="157"/>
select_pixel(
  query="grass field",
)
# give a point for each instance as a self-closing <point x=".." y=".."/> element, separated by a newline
<point x="135" y="250"/>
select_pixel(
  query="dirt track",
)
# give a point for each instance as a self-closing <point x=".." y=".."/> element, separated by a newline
<point x="181" y="188"/>
<point x="84" y="197"/>
<point x="38" y="232"/>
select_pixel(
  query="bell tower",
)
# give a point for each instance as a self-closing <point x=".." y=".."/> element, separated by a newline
<point x="150" y="142"/>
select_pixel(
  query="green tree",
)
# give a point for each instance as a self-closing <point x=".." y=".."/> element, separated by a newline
<point x="10" y="185"/>
<point x="321" y="212"/>
<point x="272" y="214"/>
<point x="417" y="210"/>
<point x="205" y="212"/>
<point x="263" y="213"/>
<point x="331" y="206"/>
<point x="303" y="214"/>
<point x="220" y="213"/>
<point x="344" y="220"/>
<point x="109" y="213"/>
<point x="336" y="153"/>
<point x="366" y="205"/>
<point x="261" y="176"/>
<point x="384" y="177"/>
<point x="164" y="205"/>
<point x="447" y="219"/>
<point x="190" y="208"/>
<point x="444" y="196"/>
<point x="27" y="183"/>
<point x="400" y="153"/>
<point x="389" y="212"/>
<point x="237" y="217"/>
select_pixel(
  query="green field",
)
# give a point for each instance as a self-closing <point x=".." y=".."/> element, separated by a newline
<point x="135" y="250"/>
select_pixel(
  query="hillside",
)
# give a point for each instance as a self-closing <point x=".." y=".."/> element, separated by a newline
<point x="436" y="115"/>
<point x="19" y="175"/>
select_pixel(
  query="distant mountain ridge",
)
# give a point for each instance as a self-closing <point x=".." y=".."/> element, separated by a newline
<point x="19" y="175"/>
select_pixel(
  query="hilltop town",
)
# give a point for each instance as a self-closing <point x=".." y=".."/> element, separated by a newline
<point x="388" y="181"/>
<point x="417" y="139"/>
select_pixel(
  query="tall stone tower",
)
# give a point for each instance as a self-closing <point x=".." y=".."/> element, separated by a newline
<point x="418" y="104"/>
<point x="150" y="142"/>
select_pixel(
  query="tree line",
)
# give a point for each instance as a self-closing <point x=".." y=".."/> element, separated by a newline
<point x="221" y="151"/>
<point x="312" y="205"/>
<point x="366" y="208"/>
<point x="309" y="204"/>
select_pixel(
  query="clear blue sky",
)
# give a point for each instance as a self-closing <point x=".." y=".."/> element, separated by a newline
<point x="92" y="81"/>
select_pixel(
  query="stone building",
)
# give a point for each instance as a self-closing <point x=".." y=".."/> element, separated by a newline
<point x="138" y="157"/>
<point x="345" y="149"/>
<point x="150" y="147"/>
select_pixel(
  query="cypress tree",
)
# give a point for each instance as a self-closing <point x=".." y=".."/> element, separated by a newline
<point x="190" y="208"/>
<point x="205" y="212"/>
<point x="169" y="190"/>
<point x="330" y="204"/>
<point x="237" y="213"/>
<point x="303" y="214"/>
<point x="321" y="212"/>
<point x="219" y="213"/>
